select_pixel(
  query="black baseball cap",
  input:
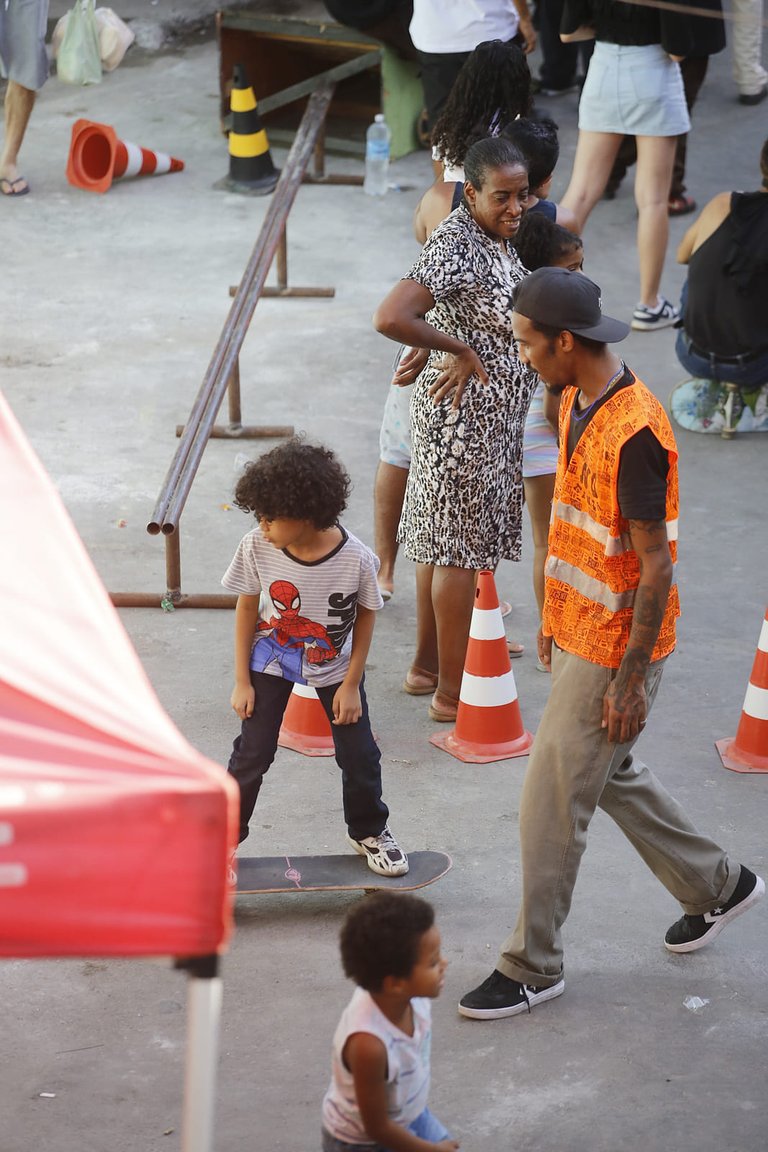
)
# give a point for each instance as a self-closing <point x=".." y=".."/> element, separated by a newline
<point x="568" y="301"/>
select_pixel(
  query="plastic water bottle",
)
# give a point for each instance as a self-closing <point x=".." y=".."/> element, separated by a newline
<point x="377" y="157"/>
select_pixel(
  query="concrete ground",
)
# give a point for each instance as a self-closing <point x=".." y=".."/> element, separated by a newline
<point x="111" y="309"/>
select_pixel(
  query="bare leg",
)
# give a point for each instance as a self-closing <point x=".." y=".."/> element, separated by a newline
<point x="653" y="177"/>
<point x="538" y="498"/>
<point x="388" y="493"/>
<point x="425" y="656"/>
<point x="595" y="154"/>
<point x="19" y="102"/>
<point x="453" y="598"/>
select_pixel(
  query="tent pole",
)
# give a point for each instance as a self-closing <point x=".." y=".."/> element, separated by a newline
<point x="204" y="992"/>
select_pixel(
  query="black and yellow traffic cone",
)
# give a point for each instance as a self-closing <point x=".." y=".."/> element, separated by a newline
<point x="251" y="170"/>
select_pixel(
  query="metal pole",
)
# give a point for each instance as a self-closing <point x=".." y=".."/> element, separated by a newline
<point x="204" y="995"/>
<point x="233" y="395"/>
<point x="249" y="292"/>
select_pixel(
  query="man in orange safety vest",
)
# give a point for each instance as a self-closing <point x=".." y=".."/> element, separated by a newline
<point x="609" y="624"/>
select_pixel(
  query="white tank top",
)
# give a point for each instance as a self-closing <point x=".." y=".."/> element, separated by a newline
<point x="407" y="1067"/>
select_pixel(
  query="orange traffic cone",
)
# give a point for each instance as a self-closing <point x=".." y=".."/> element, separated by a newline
<point x="488" y="723"/>
<point x="251" y="170"/>
<point x="305" y="727"/>
<point x="748" y="752"/>
<point x="97" y="157"/>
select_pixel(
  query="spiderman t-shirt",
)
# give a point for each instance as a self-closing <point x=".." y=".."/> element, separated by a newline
<point x="306" y="610"/>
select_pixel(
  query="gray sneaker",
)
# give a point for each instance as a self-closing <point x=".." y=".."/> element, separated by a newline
<point x="383" y="853"/>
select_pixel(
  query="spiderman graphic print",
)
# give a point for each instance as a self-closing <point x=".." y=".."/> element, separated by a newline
<point x="288" y="637"/>
<point x="306" y="610"/>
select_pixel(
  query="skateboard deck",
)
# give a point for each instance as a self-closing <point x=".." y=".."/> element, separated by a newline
<point x="702" y="406"/>
<point x="334" y="873"/>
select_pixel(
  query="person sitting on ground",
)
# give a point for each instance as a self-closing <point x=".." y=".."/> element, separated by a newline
<point x="380" y="1068"/>
<point x="538" y="142"/>
<point x="306" y="602"/>
<point x="724" y="336"/>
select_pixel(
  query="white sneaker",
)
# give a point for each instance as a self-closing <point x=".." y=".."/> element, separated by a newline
<point x="383" y="853"/>
<point x="664" y="315"/>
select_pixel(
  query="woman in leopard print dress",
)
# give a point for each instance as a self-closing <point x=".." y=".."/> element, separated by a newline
<point x="464" y="499"/>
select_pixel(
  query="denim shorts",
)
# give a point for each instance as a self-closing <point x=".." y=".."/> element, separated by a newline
<point x="426" y="1126"/>
<point x="633" y="91"/>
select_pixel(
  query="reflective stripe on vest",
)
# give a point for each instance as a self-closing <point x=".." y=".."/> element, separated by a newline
<point x="592" y="571"/>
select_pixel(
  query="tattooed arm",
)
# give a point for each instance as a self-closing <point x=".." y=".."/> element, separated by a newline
<point x="624" y="704"/>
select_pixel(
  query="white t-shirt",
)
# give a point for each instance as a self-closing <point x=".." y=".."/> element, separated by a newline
<point x="306" y="610"/>
<point x="407" y="1067"/>
<point x="460" y="25"/>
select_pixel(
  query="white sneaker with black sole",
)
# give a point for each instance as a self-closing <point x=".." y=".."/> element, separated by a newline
<point x="383" y="853"/>
<point x="664" y="315"/>
<point x="690" y="933"/>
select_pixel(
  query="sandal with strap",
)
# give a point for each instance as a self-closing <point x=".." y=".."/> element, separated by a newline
<point x="419" y="682"/>
<point x="681" y="205"/>
<point x="443" y="708"/>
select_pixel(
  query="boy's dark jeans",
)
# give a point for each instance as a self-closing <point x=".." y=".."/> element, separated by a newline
<point x="357" y="755"/>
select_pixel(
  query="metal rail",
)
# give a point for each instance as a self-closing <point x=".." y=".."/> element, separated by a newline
<point x="223" y="370"/>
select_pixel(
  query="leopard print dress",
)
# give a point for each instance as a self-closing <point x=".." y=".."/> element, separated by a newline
<point x="464" y="499"/>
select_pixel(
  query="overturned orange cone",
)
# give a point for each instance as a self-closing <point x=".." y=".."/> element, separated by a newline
<point x="488" y="723"/>
<point x="748" y="752"/>
<point x="97" y="157"/>
<point x="305" y="727"/>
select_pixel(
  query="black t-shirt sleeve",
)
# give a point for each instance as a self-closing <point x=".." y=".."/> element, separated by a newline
<point x="642" y="483"/>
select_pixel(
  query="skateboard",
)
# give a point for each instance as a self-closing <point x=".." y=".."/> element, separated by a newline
<point x="334" y="873"/>
<point x="707" y="406"/>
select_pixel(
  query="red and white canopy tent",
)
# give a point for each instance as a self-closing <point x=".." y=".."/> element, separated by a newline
<point x="114" y="832"/>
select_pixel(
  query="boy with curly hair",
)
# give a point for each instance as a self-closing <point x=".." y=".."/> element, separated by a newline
<point x="307" y="594"/>
<point x="377" y="1097"/>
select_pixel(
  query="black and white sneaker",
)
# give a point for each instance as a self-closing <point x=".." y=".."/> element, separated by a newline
<point x="645" y="319"/>
<point x="383" y="853"/>
<point x="499" y="996"/>
<point x="690" y="933"/>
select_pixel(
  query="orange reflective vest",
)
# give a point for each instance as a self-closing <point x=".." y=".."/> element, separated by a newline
<point x="592" y="571"/>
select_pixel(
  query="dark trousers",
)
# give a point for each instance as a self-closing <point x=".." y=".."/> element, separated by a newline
<point x="438" y="75"/>
<point x="357" y="755"/>
<point x="560" y="62"/>
<point x="694" y="69"/>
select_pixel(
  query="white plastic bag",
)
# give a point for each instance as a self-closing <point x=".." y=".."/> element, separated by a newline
<point x="78" y="60"/>
<point x="115" y="37"/>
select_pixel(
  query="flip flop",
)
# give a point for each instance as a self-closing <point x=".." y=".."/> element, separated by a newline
<point x="419" y="683"/>
<point x="515" y="650"/>
<point x="386" y="593"/>
<point x="10" y="187"/>
<point x="443" y="715"/>
<point x="506" y="608"/>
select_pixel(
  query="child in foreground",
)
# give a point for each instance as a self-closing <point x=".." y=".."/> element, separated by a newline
<point x="377" y="1099"/>
<point x="307" y="594"/>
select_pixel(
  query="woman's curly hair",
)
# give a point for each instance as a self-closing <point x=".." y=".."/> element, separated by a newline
<point x="493" y="87"/>
<point x="381" y="937"/>
<point x="295" y="481"/>
<point x="541" y="243"/>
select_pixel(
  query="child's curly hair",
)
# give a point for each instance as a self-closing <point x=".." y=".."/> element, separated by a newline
<point x="296" y="481"/>
<point x="541" y="243"/>
<point x="381" y="937"/>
